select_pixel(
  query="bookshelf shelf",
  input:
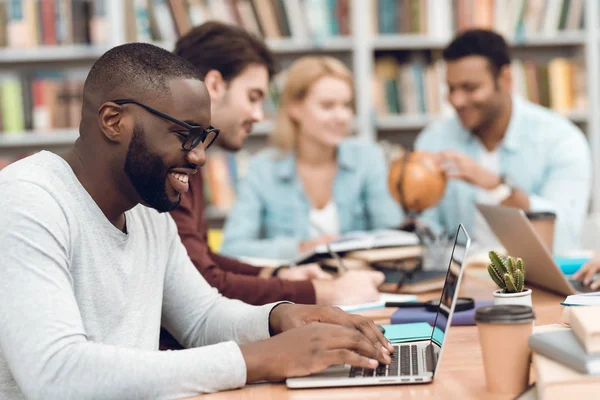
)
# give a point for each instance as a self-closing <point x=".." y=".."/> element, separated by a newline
<point x="331" y="44"/>
<point x="578" y="117"/>
<point x="574" y="38"/>
<point x="216" y="213"/>
<point x="57" y="137"/>
<point x="289" y="46"/>
<point x="407" y="42"/>
<point x="403" y="122"/>
<point x="361" y="46"/>
<point x="424" y="42"/>
<point x="65" y="137"/>
<point x="51" y="54"/>
<point x="263" y="128"/>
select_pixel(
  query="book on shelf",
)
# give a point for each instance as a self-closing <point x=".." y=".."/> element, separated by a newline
<point x="41" y="101"/>
<point x="221" y="175"/>
<point x="413" y="87"/>
<point x="300" y="20"/>
<point x="516" y="19"/>
<point x="416" y="87"/>
<point x="34" y="23"/>
<point x="558" y="85"/>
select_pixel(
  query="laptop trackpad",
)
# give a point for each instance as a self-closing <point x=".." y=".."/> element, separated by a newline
<point x="337" y="371"/>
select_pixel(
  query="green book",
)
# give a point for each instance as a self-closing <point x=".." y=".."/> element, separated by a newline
<point x="13" y="120"/>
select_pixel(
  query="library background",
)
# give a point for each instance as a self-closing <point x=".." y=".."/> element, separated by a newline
<point x="392" y="46"/>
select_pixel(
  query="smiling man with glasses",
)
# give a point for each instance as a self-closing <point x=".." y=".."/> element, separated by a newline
<point x="92" y="265"/>
<point x="191" y="137"/>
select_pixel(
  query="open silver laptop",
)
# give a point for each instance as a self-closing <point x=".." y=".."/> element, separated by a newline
<point x="412" y="362"/>
<point x="516" y="233"/>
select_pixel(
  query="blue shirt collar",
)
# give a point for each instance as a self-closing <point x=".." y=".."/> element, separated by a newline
<point x="511" y="137"/>
<point x="286" y="165"/>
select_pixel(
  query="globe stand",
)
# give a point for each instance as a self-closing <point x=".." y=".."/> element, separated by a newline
<point x="413" y="209"/>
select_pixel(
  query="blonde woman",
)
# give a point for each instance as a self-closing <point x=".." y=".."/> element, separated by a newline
<point x="317" y="182"/>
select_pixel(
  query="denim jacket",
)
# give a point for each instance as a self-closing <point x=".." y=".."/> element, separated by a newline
<point x="270" y="216"/>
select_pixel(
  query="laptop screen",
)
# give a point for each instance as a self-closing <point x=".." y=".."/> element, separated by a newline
<point x="449" y="292"/>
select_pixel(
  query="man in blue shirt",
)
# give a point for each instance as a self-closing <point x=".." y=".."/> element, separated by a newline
<point x="501" y="149"/>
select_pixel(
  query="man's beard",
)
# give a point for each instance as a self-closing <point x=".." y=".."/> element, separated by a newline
<point x="148" y="174"/>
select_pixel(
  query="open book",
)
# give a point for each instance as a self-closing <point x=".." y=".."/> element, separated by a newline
<point x="582" y="299"/>
<point x="362" y="241"/>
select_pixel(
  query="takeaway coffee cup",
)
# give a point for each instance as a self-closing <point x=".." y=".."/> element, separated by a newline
<point x="543" y="224"/>
<point x="504" y="332"/>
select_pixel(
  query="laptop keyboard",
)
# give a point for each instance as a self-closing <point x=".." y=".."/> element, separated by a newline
<point x="581" y="288"/>
<point x="405" y="362"/>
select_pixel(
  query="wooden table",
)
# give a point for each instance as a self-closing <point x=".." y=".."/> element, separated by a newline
<point x="461" y="375"/>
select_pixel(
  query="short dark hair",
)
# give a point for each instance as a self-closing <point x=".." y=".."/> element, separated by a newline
<point x="226" y="48"/>
<point x="136" y="69"/>
<point x="479" y="42"/>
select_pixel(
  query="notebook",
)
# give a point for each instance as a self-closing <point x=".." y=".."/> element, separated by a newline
<point x="412" y="283"/>
<point x="586" y="326"/>
<point x="583" y="299"/>
<point x="558" y="382"/>
<point x="408" y="332"/>
<point x="361" y="241"/>
<point x="461" y="318"/>
<point x="564" y="347"/>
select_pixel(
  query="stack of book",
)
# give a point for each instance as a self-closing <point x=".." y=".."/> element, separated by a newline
<point x="567" y="361"/>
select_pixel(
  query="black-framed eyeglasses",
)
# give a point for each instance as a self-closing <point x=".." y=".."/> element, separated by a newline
<point x="195" y="134"/>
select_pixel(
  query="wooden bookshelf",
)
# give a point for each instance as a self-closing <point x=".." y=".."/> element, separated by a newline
<point x="51" y="54"/>
<point x="216" y="213"/>
<point x="66" y="137"/>
<point x="33" y="139"/>
<point x="402" y="122"/>
<point x="424" y="42"/>
<point x="361" y="47"/>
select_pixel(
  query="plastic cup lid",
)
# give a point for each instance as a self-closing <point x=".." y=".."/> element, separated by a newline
<point x="504" y="314"/>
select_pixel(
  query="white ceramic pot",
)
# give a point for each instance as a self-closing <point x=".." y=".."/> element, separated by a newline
<point x="521" y="298"/>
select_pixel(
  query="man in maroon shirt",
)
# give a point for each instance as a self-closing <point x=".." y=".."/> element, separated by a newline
<point x="237" y="68"/>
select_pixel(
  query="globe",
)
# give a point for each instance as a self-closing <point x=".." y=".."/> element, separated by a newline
<point x="416" y="181"/>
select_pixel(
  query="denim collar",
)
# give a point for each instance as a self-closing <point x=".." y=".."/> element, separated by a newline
<point x="286" y="165"/>
<point x="511" y="139"/>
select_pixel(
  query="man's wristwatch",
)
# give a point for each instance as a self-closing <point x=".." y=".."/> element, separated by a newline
<point x="503" y="191"/>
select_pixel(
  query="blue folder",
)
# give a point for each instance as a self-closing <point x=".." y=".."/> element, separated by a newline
<point x="412" y="332"/>
<point x="407" y="332"/>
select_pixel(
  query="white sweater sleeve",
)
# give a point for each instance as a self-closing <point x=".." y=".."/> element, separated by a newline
<point x="43" y="341"/>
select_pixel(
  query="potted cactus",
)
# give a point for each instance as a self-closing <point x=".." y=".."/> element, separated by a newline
<point x="509" y="275"/>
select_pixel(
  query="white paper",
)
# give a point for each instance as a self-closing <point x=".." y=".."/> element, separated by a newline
<point x="383" y="298"/>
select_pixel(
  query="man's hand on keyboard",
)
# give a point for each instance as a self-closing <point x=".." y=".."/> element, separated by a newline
<point x="587" y="274"/>
<point x="308" y="349"/>
<point x="288" y="316"/>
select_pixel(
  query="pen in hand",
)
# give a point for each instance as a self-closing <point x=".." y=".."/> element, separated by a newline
<point x="342" y="269"/>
